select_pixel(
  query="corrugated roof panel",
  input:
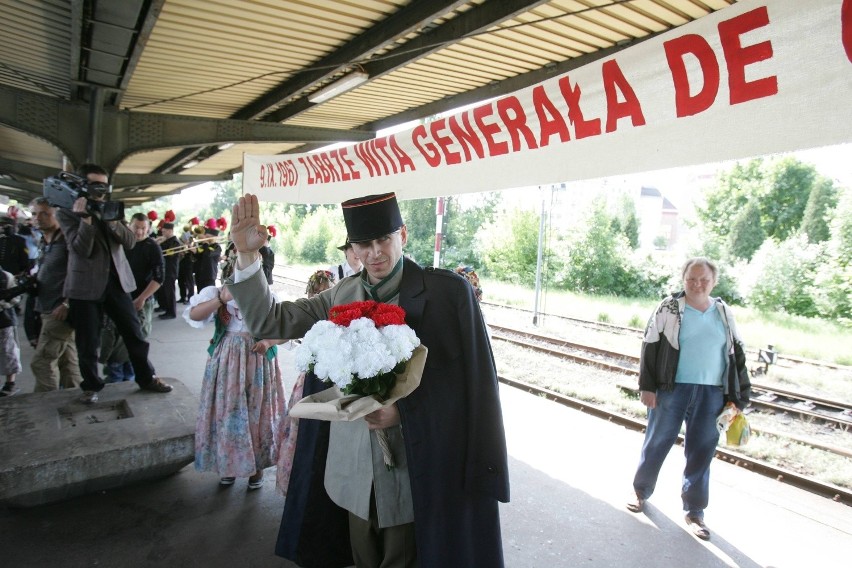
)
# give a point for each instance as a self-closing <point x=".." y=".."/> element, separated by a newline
<point x="34" y="54"/>
<point x="270" y="38"/>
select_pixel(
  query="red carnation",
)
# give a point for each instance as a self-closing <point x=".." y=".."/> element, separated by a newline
<point x="381" y="314"/>
<point x="152" y="215"/>
<point x="388" y="314"/>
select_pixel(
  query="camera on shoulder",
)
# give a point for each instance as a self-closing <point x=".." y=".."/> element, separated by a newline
<point x="63" y="189"/>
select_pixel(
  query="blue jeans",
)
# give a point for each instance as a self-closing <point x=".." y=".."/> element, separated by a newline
<point x="119" y="372"/>
<point x="698" y="405"/>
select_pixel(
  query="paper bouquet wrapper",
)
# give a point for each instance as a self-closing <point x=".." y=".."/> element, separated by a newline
<point x="332" y="405"/>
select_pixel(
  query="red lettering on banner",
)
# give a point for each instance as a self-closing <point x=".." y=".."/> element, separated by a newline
<point x="313" y="173"/>
<point x="516" y="124"/>
<point x="404" y="160"/>
<point x="489" y="130"/>
<point x="737" y="56"/>
<point x="379" y="161"/>
<point x="613" y="80"/>
<point x="436" y="128"/>
<point x="321" y="173"/>
<point x="582" y="128"/>
<point x="265" y="171"/>
<point x="364" y="152"/>
<point x="429" y="151"/>
<point x="333" y="174"/>
<point x="549" y="120"/>
<point x="288" y="175"/>
<point x="846" y="27"/>
<point x="347" y="166"/>
<point x="685" y="103"/>
<point x="379" y="145"/>
<point x="466" y="137"/>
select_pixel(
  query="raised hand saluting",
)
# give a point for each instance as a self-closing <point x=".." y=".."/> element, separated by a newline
<point x="247" y="232"/>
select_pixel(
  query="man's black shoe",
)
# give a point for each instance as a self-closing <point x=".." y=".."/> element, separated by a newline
<point x="157" y="386"/>
<point x="166" y="316"/>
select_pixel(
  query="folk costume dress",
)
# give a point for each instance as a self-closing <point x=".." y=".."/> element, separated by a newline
<point x="242" y="397"/>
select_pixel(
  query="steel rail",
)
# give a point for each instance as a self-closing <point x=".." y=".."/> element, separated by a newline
<point x="828" y="490"/>
<point x="842" y="409"/>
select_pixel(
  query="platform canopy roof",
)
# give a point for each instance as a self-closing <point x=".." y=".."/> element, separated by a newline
<point x="168" y="93"/>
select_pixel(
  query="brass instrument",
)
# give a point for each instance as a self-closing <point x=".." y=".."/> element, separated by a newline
<point x="194" y="246"/>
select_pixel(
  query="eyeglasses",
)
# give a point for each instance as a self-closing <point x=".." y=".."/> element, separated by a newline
<point x="698" y="281"/>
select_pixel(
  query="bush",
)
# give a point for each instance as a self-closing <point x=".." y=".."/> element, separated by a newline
<point x="785" y="276"/>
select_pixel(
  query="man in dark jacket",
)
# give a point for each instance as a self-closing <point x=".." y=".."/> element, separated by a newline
<point x="166" y="293"/>
<point x="99" y="281"/>
<point x="419" y="513"/>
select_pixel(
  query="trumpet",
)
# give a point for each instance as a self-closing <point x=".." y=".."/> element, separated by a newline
<point x="193" y="246"/>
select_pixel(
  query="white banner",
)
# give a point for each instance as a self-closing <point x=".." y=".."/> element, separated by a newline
<point x="755" y="78"/>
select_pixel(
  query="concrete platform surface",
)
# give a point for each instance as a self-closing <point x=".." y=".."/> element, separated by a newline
<point x="570" y="476"/>
<point x="56" y="447"/>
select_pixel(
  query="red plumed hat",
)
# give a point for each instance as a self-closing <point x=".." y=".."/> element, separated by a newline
<point x="152" y="215"/>
<point x="169" y="216"/>
<point x="221" y="223"/>
<point x="195" y="221"/>
<point x="272" y="230"/>
<point x="210" y="224"/>
<point x="160" y="224"/>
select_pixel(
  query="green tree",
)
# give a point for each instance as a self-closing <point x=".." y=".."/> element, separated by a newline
<point x="816" y="218"/>
<point x="786" y="274"/>
<point x="733" y="190"/>
<point x="226" y="196"/>
<point x="315" y="240"/>
<point x="509" y="246"/>
<point x="833" y="283"/>
<point x="626" y="221"/>
<point x="746" y="234"/>
<point x="419" y="218"/>
<point x="462" y="222"/>
<point x="785" y="195"/>
<point x="597" y="255"/>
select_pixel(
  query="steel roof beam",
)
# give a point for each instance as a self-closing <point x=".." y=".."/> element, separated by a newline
<point x="63" y="123"/>
<point x="405" y="21"/>
<point x="477" y="19"/>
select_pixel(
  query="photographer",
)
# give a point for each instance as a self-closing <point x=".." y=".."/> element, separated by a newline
<point x="100" y="280"/>
<point x="54" y="362"/>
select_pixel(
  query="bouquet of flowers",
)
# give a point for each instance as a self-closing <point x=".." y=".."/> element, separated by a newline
<point x="371" y="357"/>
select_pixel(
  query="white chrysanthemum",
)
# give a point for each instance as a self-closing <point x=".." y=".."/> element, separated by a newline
<point x="339" y="353"/>
<point x="400" y="340"/>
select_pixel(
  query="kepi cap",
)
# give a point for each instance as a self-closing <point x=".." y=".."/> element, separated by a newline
<point x="371" y="217"/>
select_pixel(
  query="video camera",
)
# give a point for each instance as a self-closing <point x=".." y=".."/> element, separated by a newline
<point x="63" y="189"/>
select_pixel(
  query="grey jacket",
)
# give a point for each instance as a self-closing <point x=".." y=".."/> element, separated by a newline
<point x="90" y="249"/>
<point x="53" y="265"/>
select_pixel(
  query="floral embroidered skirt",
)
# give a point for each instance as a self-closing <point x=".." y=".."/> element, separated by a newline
<point x="242" y="404"/>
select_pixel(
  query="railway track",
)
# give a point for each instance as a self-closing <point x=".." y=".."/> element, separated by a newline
<point x="764" y="397"/>
<point x="828" y="490"/>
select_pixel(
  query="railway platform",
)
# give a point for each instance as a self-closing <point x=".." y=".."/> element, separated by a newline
<point x="570" y="478"/>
